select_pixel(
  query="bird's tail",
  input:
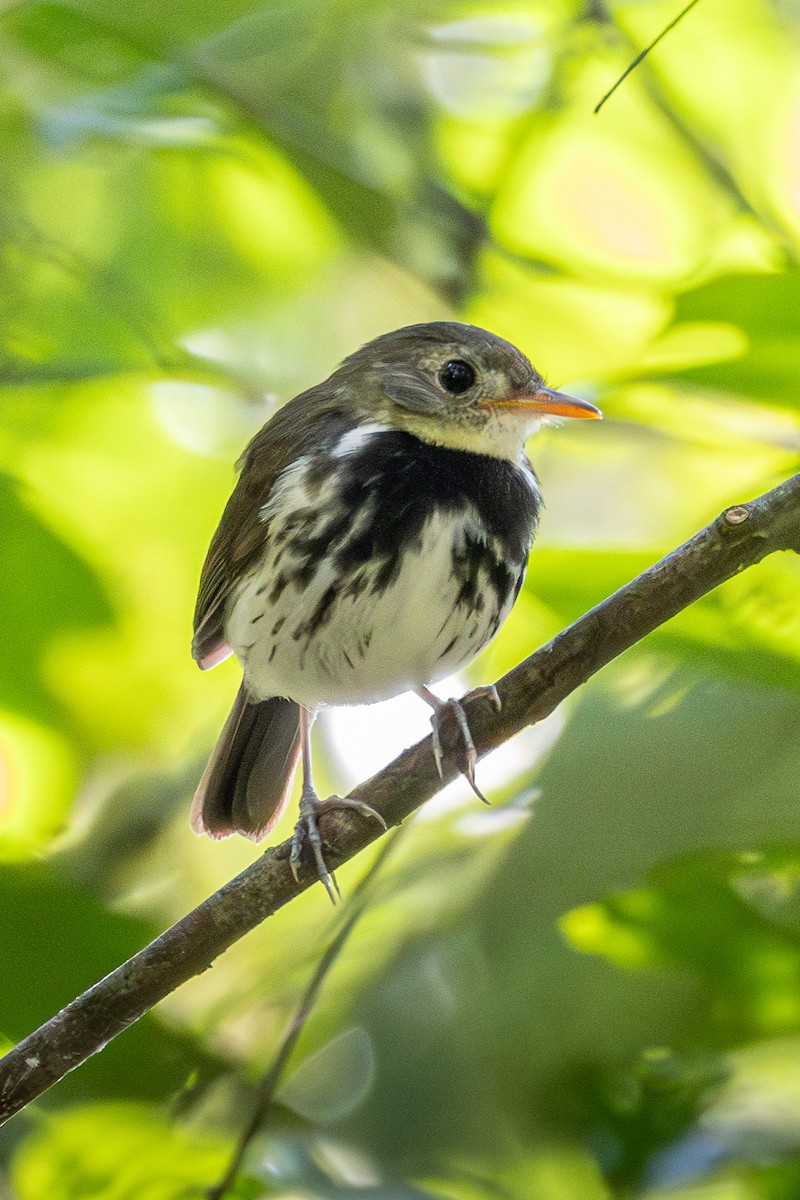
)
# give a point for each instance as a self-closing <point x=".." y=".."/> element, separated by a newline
<point x="246" y="785"/>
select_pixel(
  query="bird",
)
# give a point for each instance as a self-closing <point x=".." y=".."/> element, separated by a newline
<point x="375" y="541"/>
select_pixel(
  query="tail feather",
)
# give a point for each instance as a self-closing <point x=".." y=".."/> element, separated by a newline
<point x="246" y="785"/>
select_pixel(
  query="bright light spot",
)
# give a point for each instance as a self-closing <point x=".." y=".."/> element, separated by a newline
<point x="696" y="342"/>
<point x="72" y="124"/>
<point x="202" y="419"/>
<point x="482" y="821"/>
<point x="490" y="30"/>
<point x="37" y="781"/>
<point x="590" y="930"/>
<point x="6" y="783"/>
<point x="791" y="160"/>
<point x="487" y="65"/>
<point x="620" y="217"/>
<point x="346" y="1165"/>
<point x="263" y="357"/>
<point x="334" y="1080"/>
<point x="366" y="738"/>
<point x="606" y="204"/>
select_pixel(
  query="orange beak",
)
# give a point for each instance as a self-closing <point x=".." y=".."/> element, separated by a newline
<point x="549" y="403"/>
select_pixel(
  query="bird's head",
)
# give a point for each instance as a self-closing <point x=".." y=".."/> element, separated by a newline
<point x="454" y="385"/>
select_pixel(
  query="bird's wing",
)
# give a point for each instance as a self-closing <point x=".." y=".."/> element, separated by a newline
<point x="238" y="541"/>
<point x="302" y="424"/>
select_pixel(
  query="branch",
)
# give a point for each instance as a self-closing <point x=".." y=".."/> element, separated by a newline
<point x="644" y="53"/>
<point x="739" y="538"/>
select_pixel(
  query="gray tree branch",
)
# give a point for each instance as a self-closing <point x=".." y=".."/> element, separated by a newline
<point x="739" y="538"/>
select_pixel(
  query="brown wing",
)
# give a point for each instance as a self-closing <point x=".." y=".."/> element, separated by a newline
<point x="301" y="425"/>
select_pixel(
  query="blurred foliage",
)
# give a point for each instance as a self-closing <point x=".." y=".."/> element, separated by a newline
<point x="593" y="989"/>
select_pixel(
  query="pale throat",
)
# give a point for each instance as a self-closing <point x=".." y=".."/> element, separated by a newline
<point x="499" y="437"/>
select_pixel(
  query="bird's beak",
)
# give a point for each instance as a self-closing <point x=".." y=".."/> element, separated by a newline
<point x="549" y="403"/>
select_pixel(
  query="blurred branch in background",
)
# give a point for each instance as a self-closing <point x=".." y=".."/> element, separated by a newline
<point x="265" y="1093"/>
<point x="741" y="537"/>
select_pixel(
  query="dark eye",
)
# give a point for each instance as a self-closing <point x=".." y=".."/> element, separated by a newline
<point x="456" y="376"/>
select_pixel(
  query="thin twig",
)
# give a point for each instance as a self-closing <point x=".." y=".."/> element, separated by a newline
<point x="644" y="53"/>
<point x="742" y="536"/>
<point x="357" y="905"/>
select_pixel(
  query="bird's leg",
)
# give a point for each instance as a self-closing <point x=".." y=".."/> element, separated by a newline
<point x="307" y="827"/>
<point x="440" y="707"/>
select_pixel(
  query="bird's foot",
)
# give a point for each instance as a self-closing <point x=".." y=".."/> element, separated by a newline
<point x="307" y="830"/>
<point x="487" y="691"/>
<point x="469" y="753"/>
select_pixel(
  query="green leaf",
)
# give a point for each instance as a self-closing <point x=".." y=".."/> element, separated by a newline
<point x="763" y="361"/>
<point x="69" y="39"/>
<point x="730" y="918"/>
<point x="116" y="1152"/>
<point x="48" y="591"/>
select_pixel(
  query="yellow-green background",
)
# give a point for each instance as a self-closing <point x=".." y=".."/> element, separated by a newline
<point x="593" y="991"/>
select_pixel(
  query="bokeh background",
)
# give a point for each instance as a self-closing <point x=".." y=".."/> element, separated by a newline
<point x="591" y="990"/>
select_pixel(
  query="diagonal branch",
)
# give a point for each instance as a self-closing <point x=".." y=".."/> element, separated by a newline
<point x="647" y="50"/>
<point x="739" y="538"/>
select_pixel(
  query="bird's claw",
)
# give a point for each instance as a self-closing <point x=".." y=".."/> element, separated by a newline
<point x="470" y="753"/>
<point x="307" y="830"/>
<point x="486" y="691"/>
<point x="438" y="753"/>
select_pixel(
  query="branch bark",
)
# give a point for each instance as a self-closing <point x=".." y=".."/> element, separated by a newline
<point x="742" y="536"/>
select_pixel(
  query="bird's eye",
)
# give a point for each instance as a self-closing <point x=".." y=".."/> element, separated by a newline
<point x="456" y="376"/>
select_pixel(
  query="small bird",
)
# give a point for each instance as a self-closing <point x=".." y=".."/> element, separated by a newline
<point x="376" y="540"/>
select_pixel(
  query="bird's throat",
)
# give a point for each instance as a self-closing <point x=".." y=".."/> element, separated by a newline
<point x="498" y="438"/>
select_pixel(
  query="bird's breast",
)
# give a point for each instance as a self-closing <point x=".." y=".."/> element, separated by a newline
<point x="388" y="563"/>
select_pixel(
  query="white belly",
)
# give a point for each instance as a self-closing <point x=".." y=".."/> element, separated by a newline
<point x="369" y="646"/>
